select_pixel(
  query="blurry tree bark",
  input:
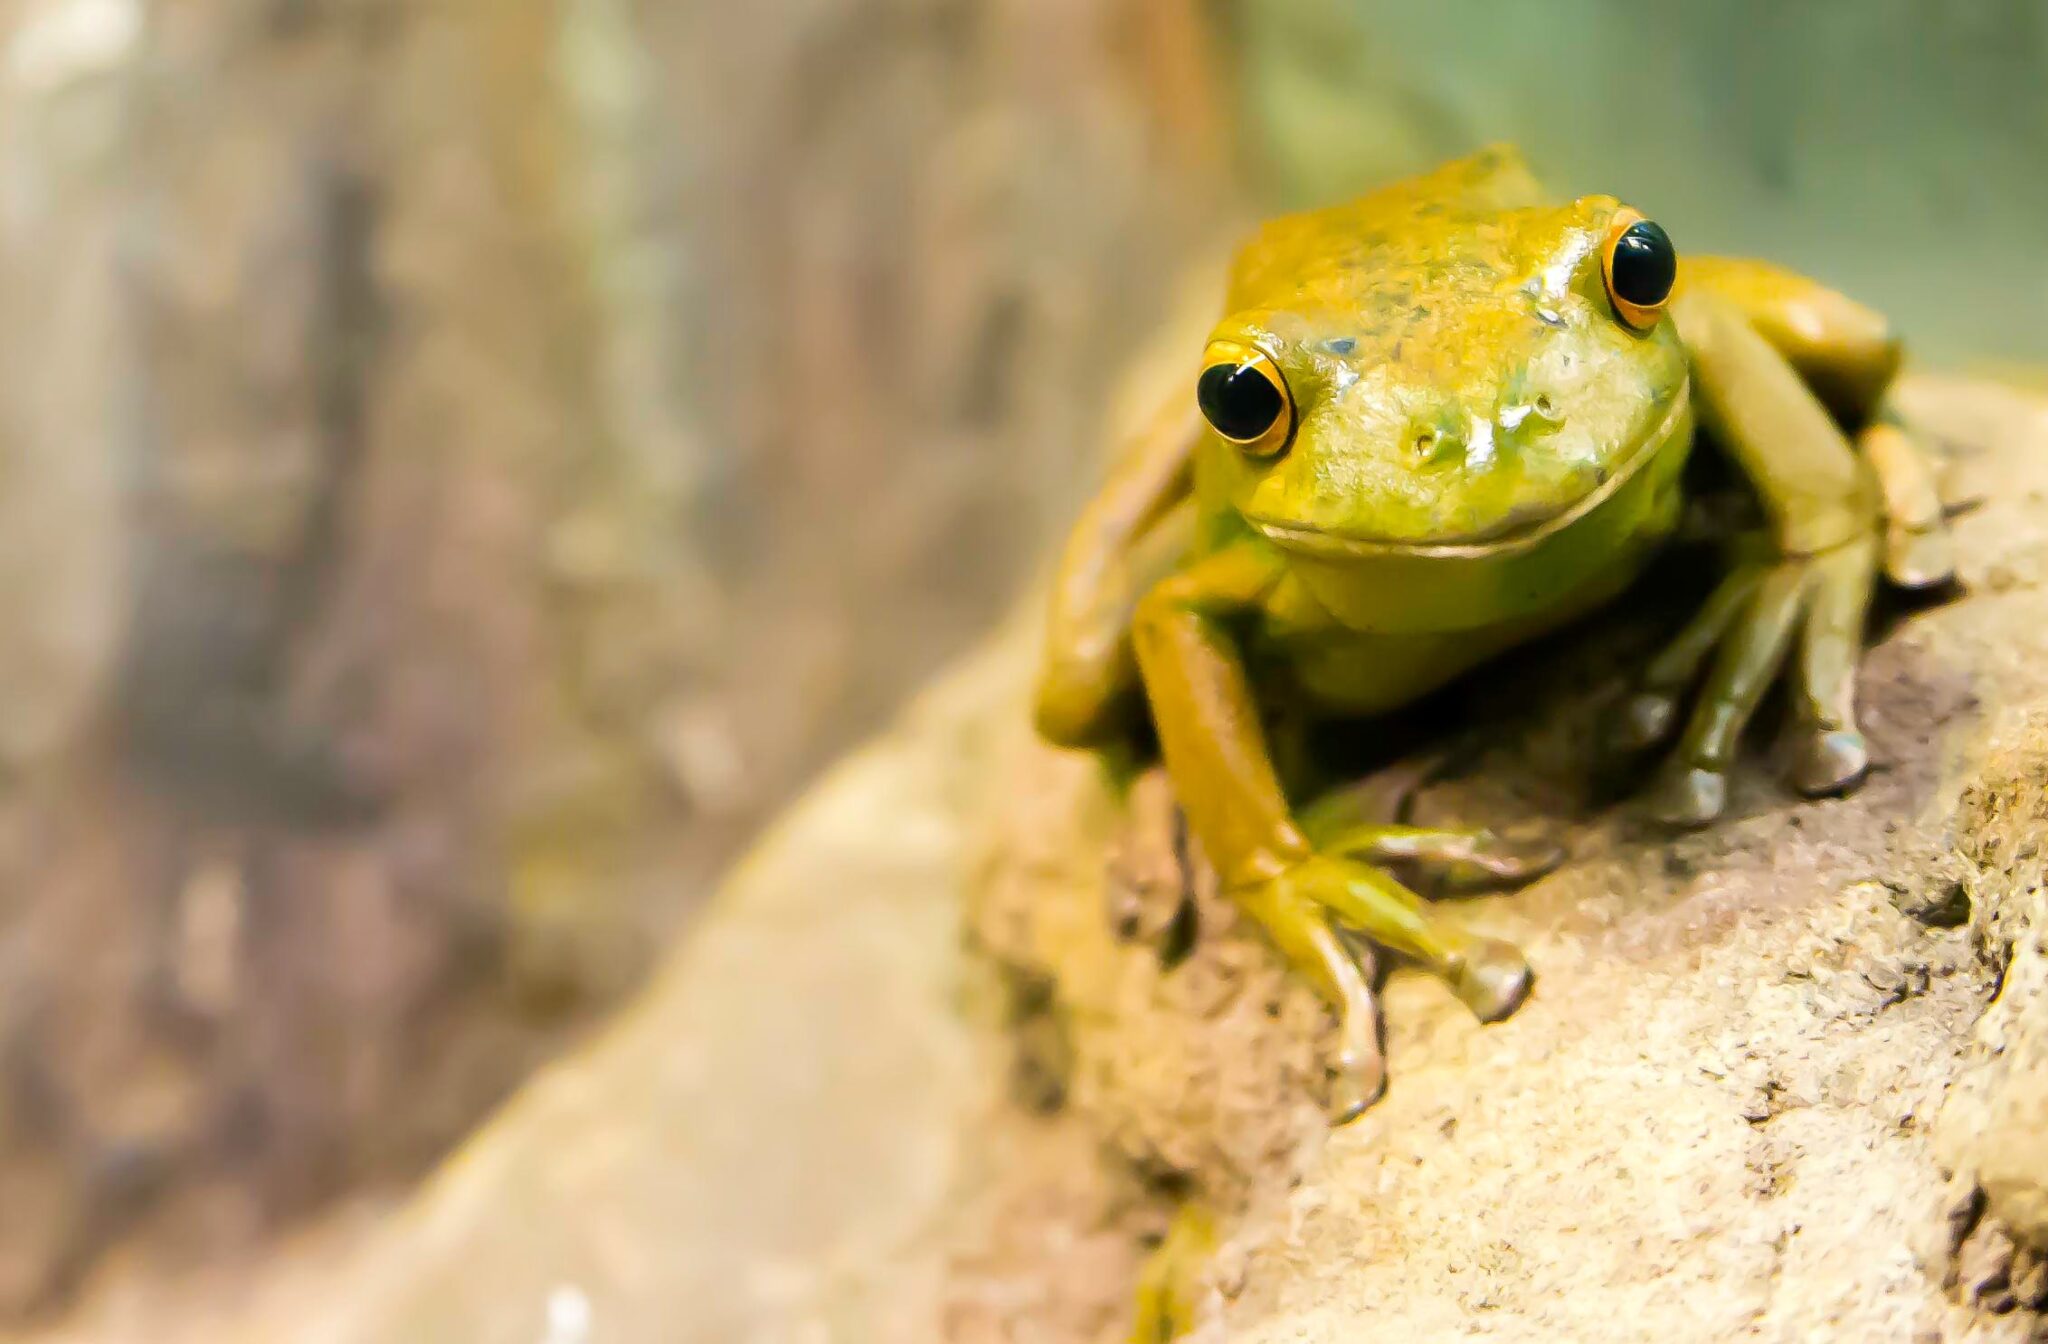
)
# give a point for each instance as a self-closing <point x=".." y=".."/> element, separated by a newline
<point x="461" y="463"/>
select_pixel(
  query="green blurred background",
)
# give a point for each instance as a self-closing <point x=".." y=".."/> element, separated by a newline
<point x="1893" y="147"/>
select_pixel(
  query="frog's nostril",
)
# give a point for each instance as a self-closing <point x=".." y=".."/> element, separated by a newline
<point x="1538" y="415"/>
<point x="1437" y="444"/>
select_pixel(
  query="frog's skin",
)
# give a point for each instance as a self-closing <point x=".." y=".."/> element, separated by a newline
<point x="1484" y="445"/>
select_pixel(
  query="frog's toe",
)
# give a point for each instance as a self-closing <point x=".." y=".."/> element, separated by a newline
<point x="1492" y="978"/>
<point x="1171" y="1281"/>
<point x="1643" y="720"/>
<point x="1687" y="796"/>
<point x="1509" y="861"/>
<point x="1359" y="1078"/>
<point x="1917" y="549"/>
<point x="1830" y="761"/>
<point x="1919" y="560"/>
<point x="1343" y="973"/>
<point x="1455" y="858"/>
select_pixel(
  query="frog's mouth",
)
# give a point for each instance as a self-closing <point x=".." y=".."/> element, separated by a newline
<point x="1521" y="537"/>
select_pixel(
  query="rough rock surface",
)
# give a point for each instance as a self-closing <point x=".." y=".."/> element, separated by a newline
<point x="1730" y="1111"/>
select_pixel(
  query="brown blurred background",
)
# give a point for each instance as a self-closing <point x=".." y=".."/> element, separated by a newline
<point x="464" y="462"/>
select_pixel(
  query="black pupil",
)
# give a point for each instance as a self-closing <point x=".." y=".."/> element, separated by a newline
<point x="1644" y="266"/>
<point x="1239" y="400"/>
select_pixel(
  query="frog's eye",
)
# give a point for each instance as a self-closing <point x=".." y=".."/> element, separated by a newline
<point x="1244" y="398"/>
<point x="1640" y="266"/>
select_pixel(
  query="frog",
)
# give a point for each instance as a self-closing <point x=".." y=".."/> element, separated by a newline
<point x="1433" y="424"/>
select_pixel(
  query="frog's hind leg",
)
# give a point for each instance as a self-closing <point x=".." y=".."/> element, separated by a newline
<point x="1844" y="351"/>
<point x="1917" y="551"/>
<point x="1848" y="355"/>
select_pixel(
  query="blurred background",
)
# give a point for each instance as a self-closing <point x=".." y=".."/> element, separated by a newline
<point x="464" y="462"/>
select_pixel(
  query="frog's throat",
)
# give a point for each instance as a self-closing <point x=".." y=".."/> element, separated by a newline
<point x="1315" y="542"/>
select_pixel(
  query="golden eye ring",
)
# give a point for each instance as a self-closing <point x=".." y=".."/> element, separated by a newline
<point x="1640" y="267"/>
<point x="1244" y="397"/>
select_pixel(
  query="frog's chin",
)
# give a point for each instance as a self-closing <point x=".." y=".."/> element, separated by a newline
<point x="1327" y="544"/>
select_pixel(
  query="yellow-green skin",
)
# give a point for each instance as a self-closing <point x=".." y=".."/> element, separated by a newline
<point x="1483" y="448"/>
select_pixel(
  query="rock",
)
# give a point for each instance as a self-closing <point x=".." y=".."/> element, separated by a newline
<point x="1938" y="901"/>
<point x="1995" y="1125"/>
<point x="1716" y="1118"/>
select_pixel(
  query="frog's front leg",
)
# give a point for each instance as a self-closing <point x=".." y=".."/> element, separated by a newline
<point x="1133" y="532"/>
<point x="1215" y="747"/>
<point x="1808" y="586"/>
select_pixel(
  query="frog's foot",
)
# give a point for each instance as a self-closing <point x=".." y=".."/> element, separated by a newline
<point x="1170" y="1283"/>
<point x="1304" y="935"/>
<point x="1361" y="822"/>
<point x="1452" y="858"/>
<point x="1917" y="551"/>
<point x="1489" y="976"/>
<point x="1807" y="611"/>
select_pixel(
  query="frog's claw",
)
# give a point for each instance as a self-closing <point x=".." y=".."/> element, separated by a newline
<point x="1300" y="907"/>
<point x="1919" y="560"/>
<point x="1808" y="609"/>
<point x="1917" y="551"/>
<point x="1829" y="753"/>
<point x="1687" y="796"/>
<point x="1492" y="978"/>
<point x="1648" y="717"/>
<point x="1357" y="1081"/>
<point x="1170" y="1285"/>
<point x="1361" y="822"/>
<point x="1305" y="937"/>
<point x="1454" y="858"/>
<point x="1489" y="976"/>
<point x="1830" y="761"/>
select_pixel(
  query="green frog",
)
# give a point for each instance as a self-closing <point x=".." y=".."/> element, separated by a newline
<point x="1438" y="422"/>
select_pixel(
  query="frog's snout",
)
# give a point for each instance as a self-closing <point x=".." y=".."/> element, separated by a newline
<point x="1476" y="440"/>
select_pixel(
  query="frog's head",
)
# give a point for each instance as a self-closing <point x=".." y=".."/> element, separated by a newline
<point x="1457" y="383"/>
